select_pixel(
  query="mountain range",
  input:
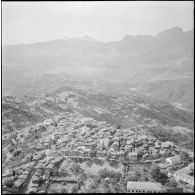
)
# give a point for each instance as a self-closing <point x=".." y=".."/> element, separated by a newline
<point x="159" y="66"/>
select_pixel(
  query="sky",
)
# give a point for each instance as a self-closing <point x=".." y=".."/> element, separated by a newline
<point x="28" y="22"/>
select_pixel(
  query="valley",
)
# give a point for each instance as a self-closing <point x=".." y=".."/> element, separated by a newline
<point x="83" y="116"/>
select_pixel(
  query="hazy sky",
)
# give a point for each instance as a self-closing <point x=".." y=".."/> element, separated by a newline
<point x="26" y="22"/>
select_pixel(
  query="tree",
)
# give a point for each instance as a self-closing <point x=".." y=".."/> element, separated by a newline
<point x="92" y="153"/>
<point x="11" y="150"/>
<point x="75" y="188"/>
<point x="92" y="187"/>
<point x="171" y="183"/>
<point x="158" y="176"/>
<point x="118" y="126"/>
<point x="21" y="135"/>
<point x="55" y="124"/>
<point x="54" y="171"/>
<point x="105" y="184"/>
<point x="17" y="153"/>
<point x="117" y="189"/>
<point x="114" y="164"/>
<point x="76" y="168"/>
<point x="41" y="180"/>
<point x="184" y="156"/>
<point x="64" y="172"/>
<point x="107" y="190"/>
<point x="113" y="181"/>
<point x="63" y="191"/>
<point x="54" y="141"/>
<point x="108" y="156"/>
<point x="115" y="175"/>
<point x="80" y="181"/>
<point x="103" y="173"/>
<point x="191" y="172"/>
<point x="89" y="163"/>
<point x="97" y="180"/>
<point x="8" y="182"/>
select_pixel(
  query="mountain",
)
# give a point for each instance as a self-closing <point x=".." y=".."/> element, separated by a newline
<point x="130" y="62"/>
<point x="169" y="45"/>
<point x="178" y="92"/>
<point x="83" y="38"/>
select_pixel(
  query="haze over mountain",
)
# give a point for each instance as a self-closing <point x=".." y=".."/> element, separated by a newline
<point x="160" y="66"/>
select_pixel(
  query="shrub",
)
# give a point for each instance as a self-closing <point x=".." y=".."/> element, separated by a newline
<point x="75" y="188"/>
<point x="76" y="168"/>
<point x="103" y="173"/>
<point x="184" y="155"/>
<point x="158" y="176"/>
<point x="17" y="153"/>
<point x="8" y="182"/>
<point x="171" y="183"/>
<point x="11" y="150"/>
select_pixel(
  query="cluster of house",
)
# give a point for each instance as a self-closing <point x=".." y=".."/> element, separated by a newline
<point x="185" y="174"/>
<point x="38" y="168"/>
<point x="84" y="137"/>
<point x="87" y="136"/>
<point x="16" y="102"/>
<point x="32" y="104"/>
<point x="182" y="174"/>
<point x="42" y="173"/>
<point x="18" y="176"/>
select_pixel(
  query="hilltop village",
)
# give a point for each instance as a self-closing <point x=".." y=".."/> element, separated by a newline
<point x="70" y="153"/>
<point x="130" y="111"/>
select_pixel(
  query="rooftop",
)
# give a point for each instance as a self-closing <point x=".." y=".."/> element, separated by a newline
<point x="167" y="144"/>
<point x="184" y="172"/>
<point x="133" y="153"/>
<point x="144" y="185"/>
<point x="175" y="158"/>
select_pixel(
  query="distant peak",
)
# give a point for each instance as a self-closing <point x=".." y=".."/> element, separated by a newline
<point x="190" y="31"/>
<point x="171" y="31"/>
<point x="141" y="36"/>
<point x="83" y="38"/>
<point x="86" y="37"/>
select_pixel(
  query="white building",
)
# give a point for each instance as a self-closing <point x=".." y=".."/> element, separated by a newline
<point x="174" y="160"/>
<point x="183" y="175"/>
<point x="191" y="166"/>
<point x="87" y="121"/>
<point x="132" y="155"/>
<point x="143" y="187"/>
<point x="48" y="122"/>
<point x="167" y="144"/>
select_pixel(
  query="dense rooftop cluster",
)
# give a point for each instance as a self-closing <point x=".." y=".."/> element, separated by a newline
<point x="37" y="157"/>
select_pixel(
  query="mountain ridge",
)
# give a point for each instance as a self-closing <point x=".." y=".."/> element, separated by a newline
<point x="88" y="37"/>
<point x="117" y="61"/>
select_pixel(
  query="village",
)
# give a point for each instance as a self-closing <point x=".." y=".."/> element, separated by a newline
<point x="71" y="153"/>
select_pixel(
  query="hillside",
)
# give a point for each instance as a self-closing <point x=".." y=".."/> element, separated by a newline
<point x="126" y="110"/>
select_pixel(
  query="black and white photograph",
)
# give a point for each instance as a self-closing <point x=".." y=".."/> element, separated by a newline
<point x="97" y="97"/>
